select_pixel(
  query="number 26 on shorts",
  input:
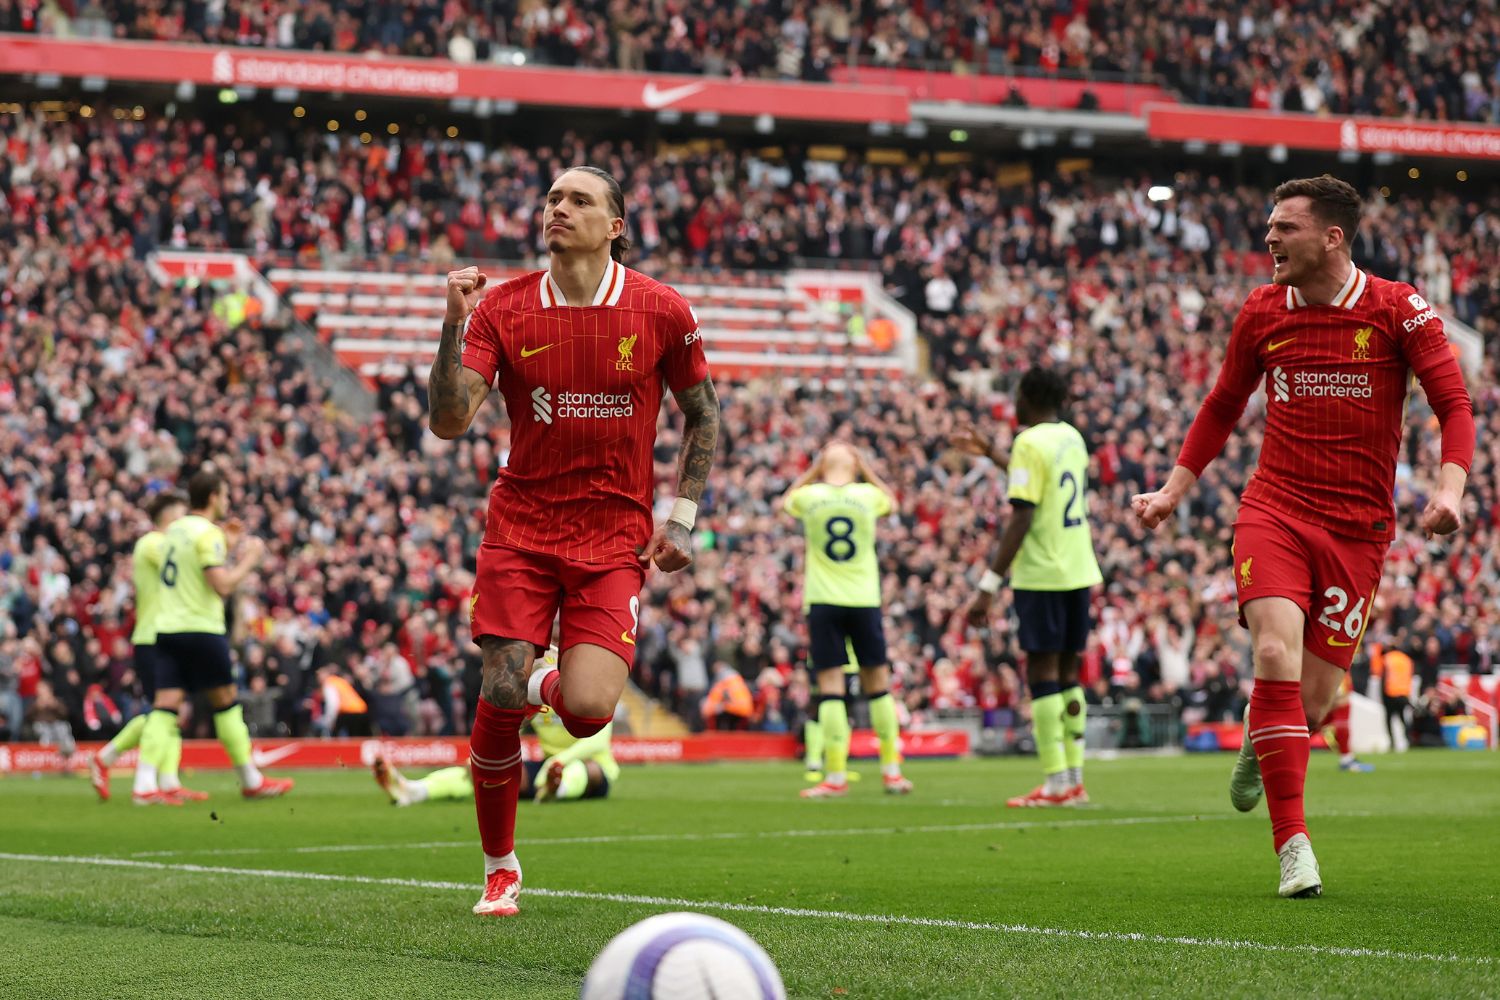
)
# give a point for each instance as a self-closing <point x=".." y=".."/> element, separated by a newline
<point x="1354" y="621"/>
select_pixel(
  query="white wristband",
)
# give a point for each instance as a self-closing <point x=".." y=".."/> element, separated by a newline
<point x="684" y="512"/>
<point x="990" y="582"/>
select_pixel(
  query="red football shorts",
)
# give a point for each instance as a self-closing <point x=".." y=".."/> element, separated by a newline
<point x="1332" y="578"/>
<point x="518" y="594"/>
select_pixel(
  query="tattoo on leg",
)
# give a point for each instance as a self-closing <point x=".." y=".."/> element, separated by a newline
<point x="506" y="669"/>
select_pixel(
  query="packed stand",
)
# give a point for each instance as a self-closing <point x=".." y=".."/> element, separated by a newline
<point x="1404" y="59"/>
<point x="112" y="385"/>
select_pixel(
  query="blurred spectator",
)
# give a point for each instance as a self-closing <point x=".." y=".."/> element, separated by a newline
<point x="729" y="705"/>
<point x="1436" y="59"/>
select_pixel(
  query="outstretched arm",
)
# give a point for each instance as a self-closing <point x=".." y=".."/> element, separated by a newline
<point x="1442" y="380"/>
<point x="671" y="545"/>
<point x="1238" y="378"/>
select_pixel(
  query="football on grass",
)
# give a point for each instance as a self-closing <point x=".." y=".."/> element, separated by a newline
<point x="682" y="956"/>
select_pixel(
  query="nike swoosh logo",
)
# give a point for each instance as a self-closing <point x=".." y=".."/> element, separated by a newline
<point x="625" y="637"/>
<point x="1268" y="753"/>
<point x="495" y="784"/>
<point x="1334" y="642"/>
<point x="1276" y="345"/>
<point x="653" y="97"/>
<point x="528" y="352"/>
<point x="265" y="758"/>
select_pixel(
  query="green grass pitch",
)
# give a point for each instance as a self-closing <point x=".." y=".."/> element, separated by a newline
<point x="1159" y="889"/>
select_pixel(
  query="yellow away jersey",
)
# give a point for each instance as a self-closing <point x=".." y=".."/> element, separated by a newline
<point x="1049" y="468"/>
<point x="839" y="523"/>
<point x="188" y="603"/>
<point x="556" y="741"/>
<point x="145" y="562"/>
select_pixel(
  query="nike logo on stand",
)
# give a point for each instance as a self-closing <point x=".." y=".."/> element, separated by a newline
<point x="528" y="352"/>
<point x="656" y="98"/>
<point x="1276" y="345"/>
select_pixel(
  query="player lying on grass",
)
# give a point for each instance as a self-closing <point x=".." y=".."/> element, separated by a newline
<point x="572" y="768"/>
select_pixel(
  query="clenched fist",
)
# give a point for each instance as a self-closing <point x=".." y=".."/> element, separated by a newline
<point x="465" y="289"/>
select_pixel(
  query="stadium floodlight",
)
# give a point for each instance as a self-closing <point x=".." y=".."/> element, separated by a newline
<point x="916" y="129"/>
<point x="706" y="119"/>
<point x="1230" y="149"/>
<point x="881" y="129"/>
<point x="1159" y="192"/>
<point x="1083" y="140"/>
<point x="765" y="124"/>
<point x="286" y="95"/>
<point x="1277" y="153"/>
<point x="1195" y="147"/>
<point x="93" y="84"/>
<point x="186" y="91"/>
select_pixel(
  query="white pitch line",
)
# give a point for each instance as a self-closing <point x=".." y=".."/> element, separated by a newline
<point x="1063" y="933"/>
<point x="638" y="838"/>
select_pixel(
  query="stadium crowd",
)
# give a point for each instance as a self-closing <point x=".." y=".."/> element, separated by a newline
<point x="111" y="385"/>
<point x="1399" y="59"/>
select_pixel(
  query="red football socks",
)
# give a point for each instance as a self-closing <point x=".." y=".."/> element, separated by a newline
<point x="578" y="726"/>
<point x="1278" y="732"/>
<point x="495" y="764"/>
<point x="1339" y="720"/>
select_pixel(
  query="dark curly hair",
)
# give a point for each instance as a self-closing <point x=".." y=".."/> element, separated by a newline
<point x="1043" y="389"/>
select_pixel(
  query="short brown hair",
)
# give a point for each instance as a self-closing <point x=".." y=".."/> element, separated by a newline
<point x="1334" y="202"/>
<point x="161" y="502"/>
<point x="203" y="485"/>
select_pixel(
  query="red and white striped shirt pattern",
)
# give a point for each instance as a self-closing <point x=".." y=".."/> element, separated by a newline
<point x="583" y="386"/>
<point x="1336" y="379"/>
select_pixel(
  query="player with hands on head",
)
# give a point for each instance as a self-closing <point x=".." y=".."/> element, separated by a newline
<point x="840" y="499"/>
<point x="1047" y="549"/>
<point x="1335" y="347"/>
<point x="580" y="353"/>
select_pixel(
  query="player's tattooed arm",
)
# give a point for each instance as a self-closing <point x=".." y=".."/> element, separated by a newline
<point x="700" y="438"/>
<point x="671" y="545"/>
<point x="454" y="393"/>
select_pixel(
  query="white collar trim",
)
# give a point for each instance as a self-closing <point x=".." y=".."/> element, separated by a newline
<point x="611" y="287"/>
<point x="1347" y="297"/>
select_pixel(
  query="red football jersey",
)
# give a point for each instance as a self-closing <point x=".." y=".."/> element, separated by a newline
<point x="1336" y="380"/>
<point x="583" y="387"/>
